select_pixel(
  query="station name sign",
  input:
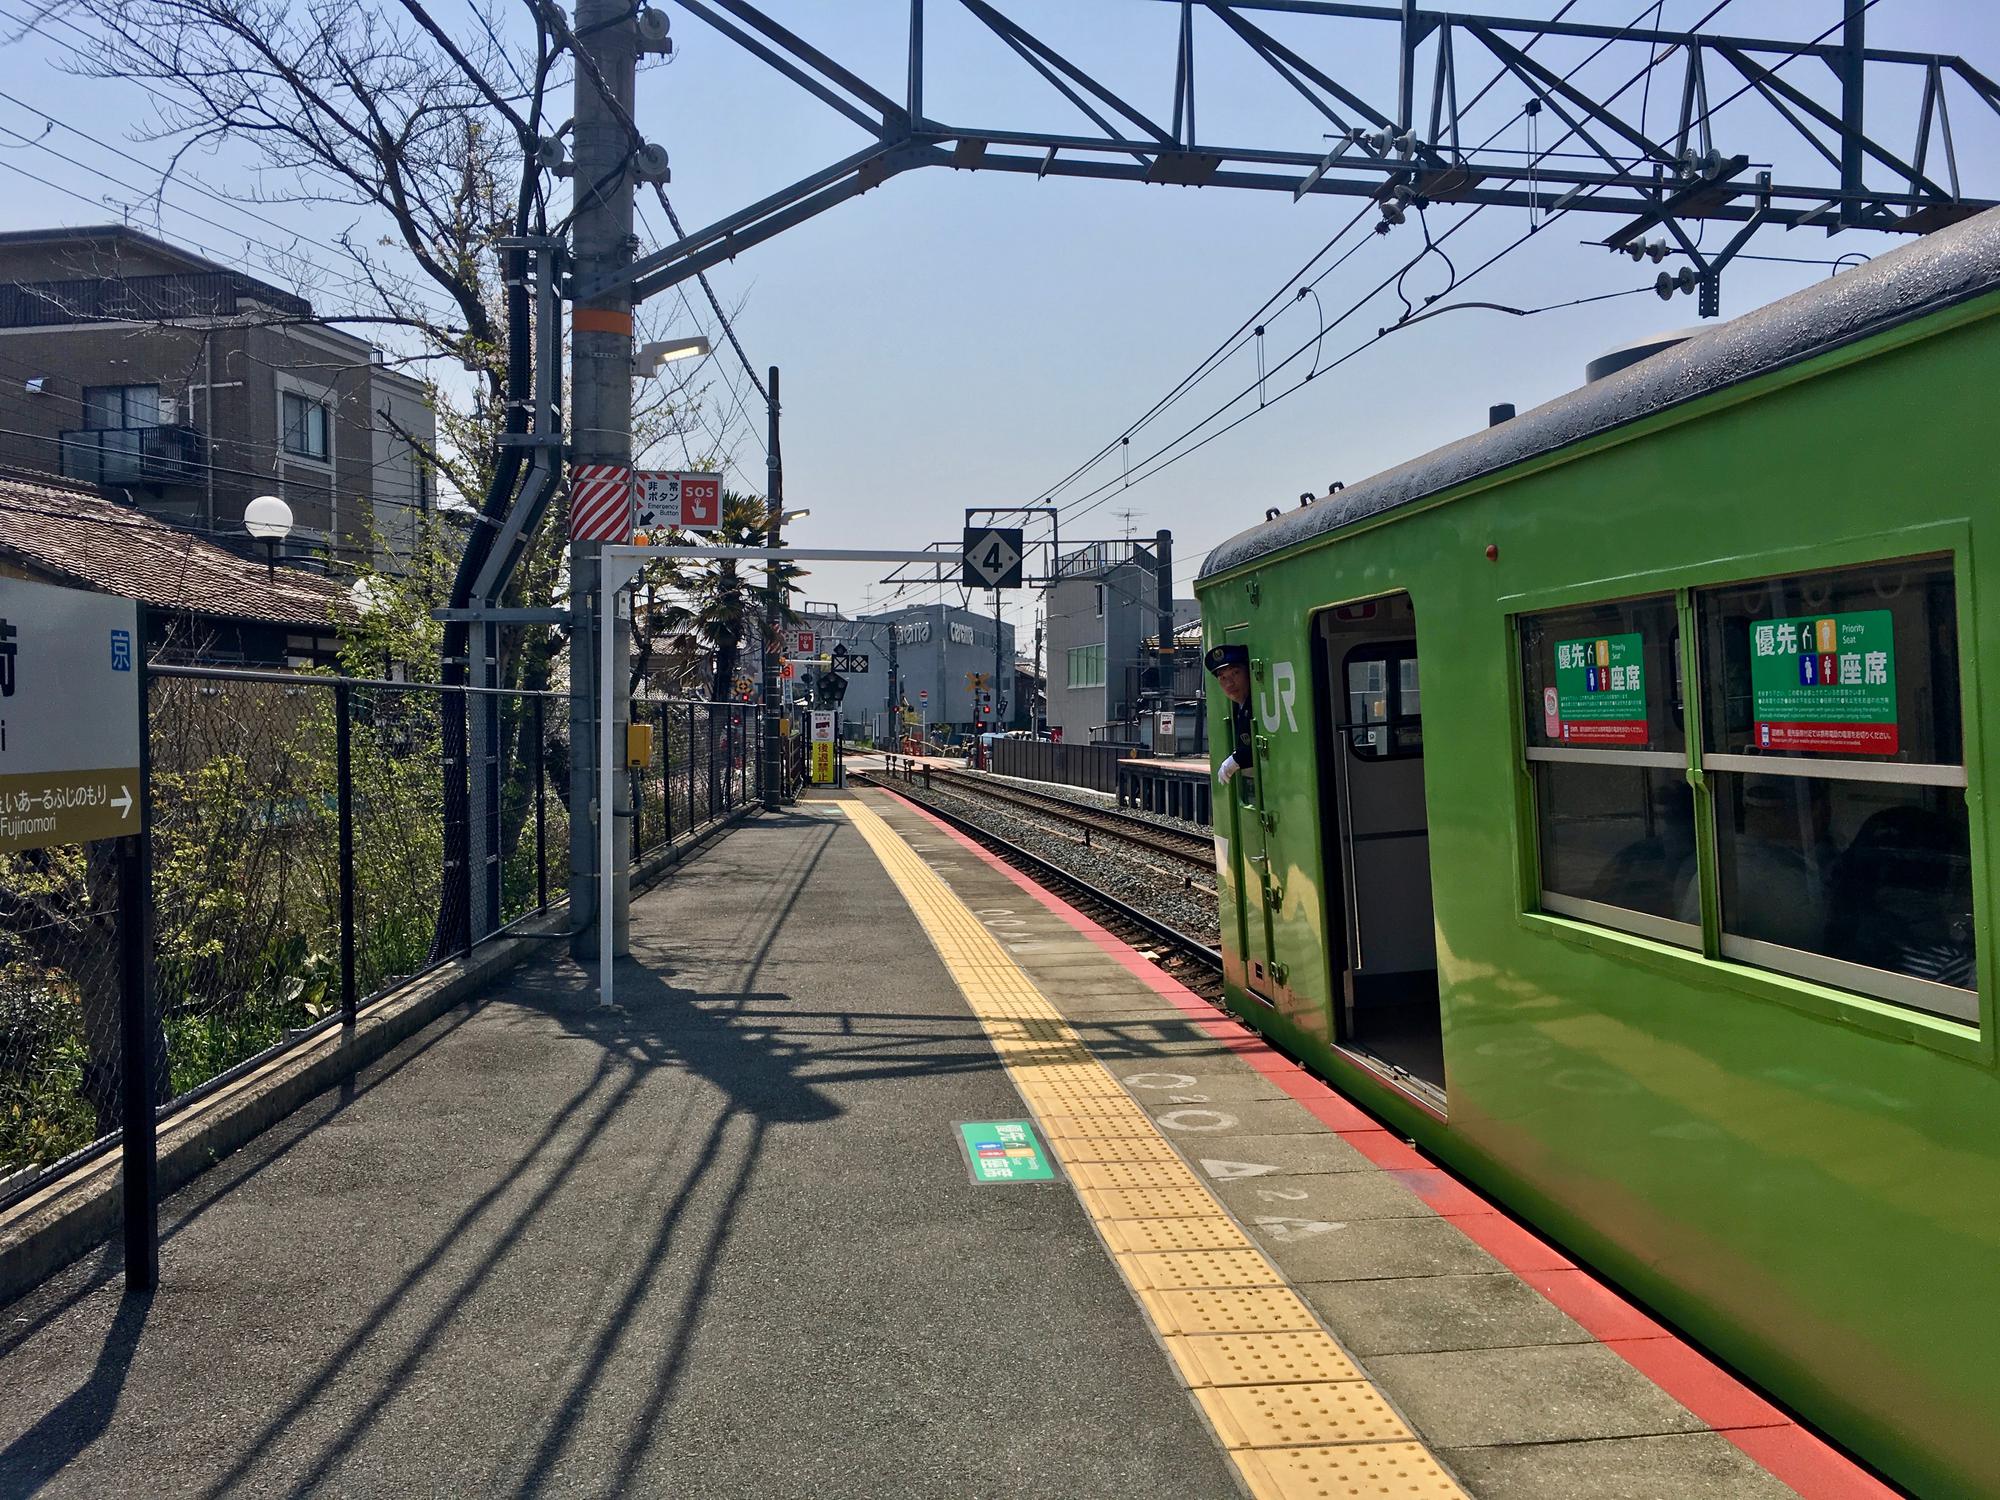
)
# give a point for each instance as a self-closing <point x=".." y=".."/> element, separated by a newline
<point x="69" y="716"/>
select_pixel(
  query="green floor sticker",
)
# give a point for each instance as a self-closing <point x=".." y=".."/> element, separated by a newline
<point x="1003" y="1151"/>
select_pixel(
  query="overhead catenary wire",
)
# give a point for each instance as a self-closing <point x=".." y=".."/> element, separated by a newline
<point x="1158" y="461"/>
<point x="1234" y="339"/>
<point x="1091" y="499"/>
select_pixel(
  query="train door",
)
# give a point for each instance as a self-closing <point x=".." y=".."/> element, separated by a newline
<point x="1375" y="829"/>
<point x="1250" y="824"/>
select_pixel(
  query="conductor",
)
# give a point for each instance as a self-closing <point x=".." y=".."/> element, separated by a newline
<point x="1231" y="666"/>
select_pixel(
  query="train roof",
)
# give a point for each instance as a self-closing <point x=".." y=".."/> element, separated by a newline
<point x="1933" y="273"/>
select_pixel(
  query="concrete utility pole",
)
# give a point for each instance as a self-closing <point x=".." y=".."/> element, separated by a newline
<point x="1163" y="601"/>
<point x="600" y="431"/>
<point x="1037" y="696"/>
<point x="996" y="672"/>
<point x="774" y="488"/>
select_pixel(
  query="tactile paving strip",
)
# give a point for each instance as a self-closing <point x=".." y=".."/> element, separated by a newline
<point x="1404" y="1470"/>
<point x="1147" y="1203"/>
<point x="1254" y="1309"/>
<point x="1132" y="1174"/>
<point x="1326" y="1411"/>
<point x="1209" y="1232"/>
<point x="1294" y="1413"/>
<point x="1083" y="1148"/>
<point x="1173" y="1270"/>
<point x="1257" y="1359"/>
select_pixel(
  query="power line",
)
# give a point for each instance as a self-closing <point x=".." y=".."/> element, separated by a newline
<point x="1233" y="341"/>
<point x="222" y="256"/>
<point x="1127" y="480"/>
<point x="713" y="301"/>
<point x="415" y="290"/>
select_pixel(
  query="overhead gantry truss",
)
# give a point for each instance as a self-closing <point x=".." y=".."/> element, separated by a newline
<point x="1415" y="147"/>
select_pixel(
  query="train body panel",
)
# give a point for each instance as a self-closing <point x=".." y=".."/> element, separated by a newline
<point x="1802" y="1173"/>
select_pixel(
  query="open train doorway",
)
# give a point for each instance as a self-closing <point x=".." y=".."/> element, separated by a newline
<point x="1376" y="831"/>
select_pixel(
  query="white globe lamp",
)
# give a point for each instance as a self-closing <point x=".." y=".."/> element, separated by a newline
<point x="269" y="520"/>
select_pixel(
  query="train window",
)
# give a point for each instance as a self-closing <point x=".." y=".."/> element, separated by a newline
<point x="1607" y="747"/>
<point x="1842" y="836"/>
<point x="1384" y="707"/>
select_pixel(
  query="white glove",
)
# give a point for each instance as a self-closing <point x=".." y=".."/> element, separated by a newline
<point x="1226" y="772"/>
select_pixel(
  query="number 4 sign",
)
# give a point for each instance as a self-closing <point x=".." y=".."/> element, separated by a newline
<point x="992" y="558"/>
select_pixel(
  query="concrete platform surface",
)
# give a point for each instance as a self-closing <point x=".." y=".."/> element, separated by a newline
<point x="720" y="1242"/>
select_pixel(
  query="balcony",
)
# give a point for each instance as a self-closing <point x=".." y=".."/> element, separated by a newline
<point x="121" y="456"/>
<point x="144" y="299"/>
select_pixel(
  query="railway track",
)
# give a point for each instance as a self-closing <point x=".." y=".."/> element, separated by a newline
<point x="1187" y="847"/>
<point x="1194" y="962"/>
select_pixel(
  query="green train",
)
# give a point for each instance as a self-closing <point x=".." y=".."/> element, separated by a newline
<point x="1616" y="826"/>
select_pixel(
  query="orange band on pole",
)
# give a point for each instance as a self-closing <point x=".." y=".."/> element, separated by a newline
<point x="600" y="320"/>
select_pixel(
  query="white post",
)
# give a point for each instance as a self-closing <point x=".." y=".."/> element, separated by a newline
<point x="613" y="573"/>
<point x="618" y="565"/>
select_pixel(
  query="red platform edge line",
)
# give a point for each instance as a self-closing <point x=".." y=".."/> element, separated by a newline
<point x="1790" y="1452"/>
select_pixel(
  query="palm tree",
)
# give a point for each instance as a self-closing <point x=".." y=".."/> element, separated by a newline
<point x="699" y="613"/>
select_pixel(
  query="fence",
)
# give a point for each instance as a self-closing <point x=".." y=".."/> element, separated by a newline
<point x="1092" y="766"/>
<point x="299" y="869"/>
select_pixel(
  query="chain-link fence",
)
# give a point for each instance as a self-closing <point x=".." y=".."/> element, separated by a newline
<point x="61" y="988"/>
<point x="300" y="867"/>
<point x="705" y="765"/>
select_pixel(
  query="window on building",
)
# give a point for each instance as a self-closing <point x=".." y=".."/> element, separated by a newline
<point x="1607" y="752"/>
<point x="1100" y="601"/>
<point x="111" y="407"/>
<point x="111" y="447"/>
<point x="307" y="426"/>
<point x="1835" y="743"/>
<point x="1086" y="666"/>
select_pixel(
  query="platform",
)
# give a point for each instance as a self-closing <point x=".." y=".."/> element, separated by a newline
<point x="724" y="1240"/>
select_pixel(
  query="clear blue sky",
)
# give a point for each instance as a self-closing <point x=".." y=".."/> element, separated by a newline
<point x="957" y="338"/>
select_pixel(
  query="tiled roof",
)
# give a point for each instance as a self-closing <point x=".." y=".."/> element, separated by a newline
<point x="75" y="534"/>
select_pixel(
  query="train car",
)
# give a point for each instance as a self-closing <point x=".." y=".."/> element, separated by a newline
<point x="1615" y="825"/>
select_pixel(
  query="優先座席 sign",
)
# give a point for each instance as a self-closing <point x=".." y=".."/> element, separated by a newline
<point x="69" y="716"/>
<point x="1003" y="1151"/>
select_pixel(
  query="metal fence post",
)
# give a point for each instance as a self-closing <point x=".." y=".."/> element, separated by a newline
<point x="635" y="715"/>
<point x="692" y="818"/>
<point x="138" y="1064"/>
<point x="541" y="814"/>
<point x="461" y="717"/>
<point x="343" y="775"/>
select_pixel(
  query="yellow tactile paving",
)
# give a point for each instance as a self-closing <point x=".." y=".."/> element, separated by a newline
<point x="1288" y="1416"/>
<point x="1132" y="1174"/>
<point x="1149" y="1203"/>
<point x="1293" y="1412"/>
<point x="1404" y="1470"/>
<point x="1255" y="1309"/>
<point x="1137" y="1235"/>
<point x="1174" y="1270"/>
<point x="1257" y="1359"/>
<point x="1084" y="1148"/>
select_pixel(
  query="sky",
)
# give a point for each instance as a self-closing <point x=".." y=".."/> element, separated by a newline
<point x="955" y="339"/>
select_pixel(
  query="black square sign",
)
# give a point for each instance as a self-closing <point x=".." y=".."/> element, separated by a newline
<point x="992" y="558"/>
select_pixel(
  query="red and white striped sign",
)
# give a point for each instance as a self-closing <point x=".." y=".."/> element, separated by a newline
<point x="600" y="503"/>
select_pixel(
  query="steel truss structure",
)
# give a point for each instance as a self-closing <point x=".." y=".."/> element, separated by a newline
<point x="1409" y="149"/>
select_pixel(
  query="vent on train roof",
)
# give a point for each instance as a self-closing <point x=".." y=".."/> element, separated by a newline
<point x="1611" y="361"/>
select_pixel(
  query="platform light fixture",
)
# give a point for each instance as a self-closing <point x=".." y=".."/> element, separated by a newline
<point x="665" y="351"/>
<point x="269" y="520"/>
